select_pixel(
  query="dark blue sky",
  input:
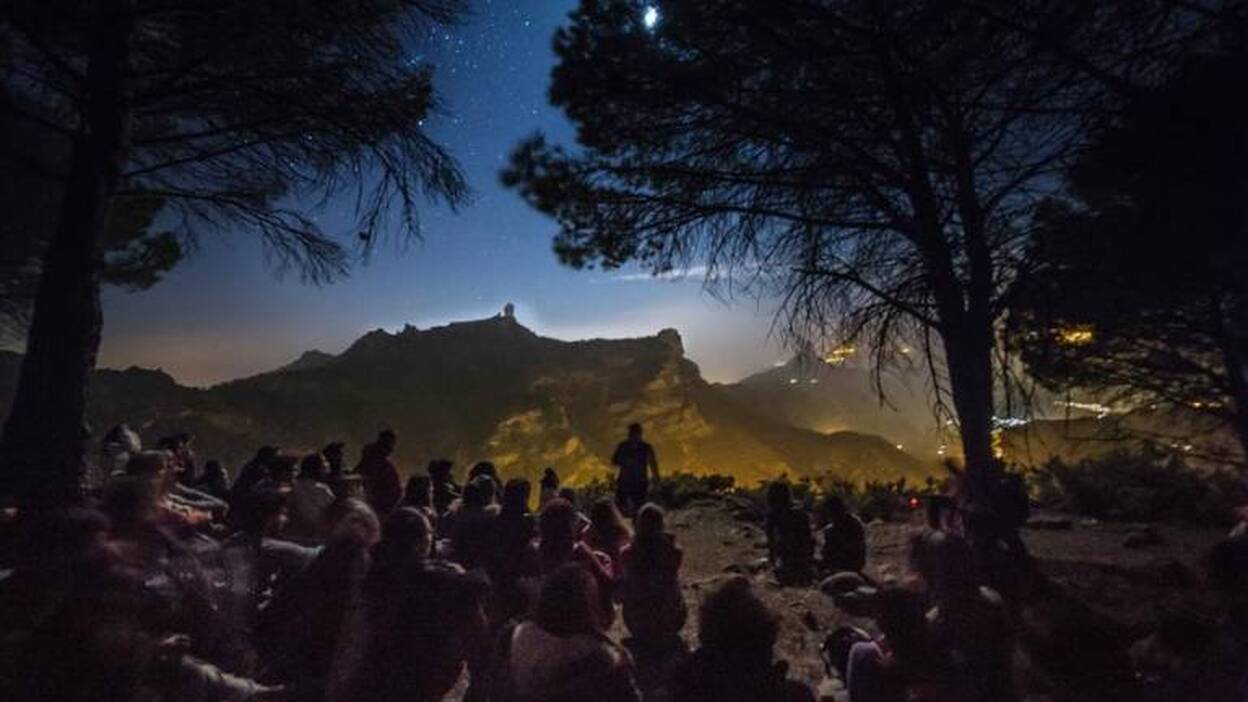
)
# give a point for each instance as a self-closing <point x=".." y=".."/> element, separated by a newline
<point x="223" y="314"/>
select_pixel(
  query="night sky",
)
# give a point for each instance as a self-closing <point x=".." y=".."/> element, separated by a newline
<point x="223" y="314"/>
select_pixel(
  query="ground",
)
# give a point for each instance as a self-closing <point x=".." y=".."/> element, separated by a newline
<point x="1133" y="586"/>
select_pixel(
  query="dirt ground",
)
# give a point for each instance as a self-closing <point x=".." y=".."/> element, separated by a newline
<point x="1131" y="585"/>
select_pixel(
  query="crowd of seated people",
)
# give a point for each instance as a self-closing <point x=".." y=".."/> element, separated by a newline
<point x="306" y="580"/>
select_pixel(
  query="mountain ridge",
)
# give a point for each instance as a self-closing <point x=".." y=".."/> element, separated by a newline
<point x="490" y="389"/>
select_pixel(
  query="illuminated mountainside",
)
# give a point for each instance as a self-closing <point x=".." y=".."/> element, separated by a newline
<point x="809" y="393"/>
<point x="491" y="389"/>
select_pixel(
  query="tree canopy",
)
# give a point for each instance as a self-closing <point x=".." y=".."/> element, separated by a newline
<point x="875" y="163"/>
<point x="237" y="117"/>
<point x="1138" y="290"/>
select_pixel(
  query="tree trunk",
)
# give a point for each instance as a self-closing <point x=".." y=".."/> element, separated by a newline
<point x="968" y="355"/>
<point x="44" y="441"/>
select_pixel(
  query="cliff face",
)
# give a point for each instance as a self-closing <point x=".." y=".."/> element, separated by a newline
<point x="492" y="389"/>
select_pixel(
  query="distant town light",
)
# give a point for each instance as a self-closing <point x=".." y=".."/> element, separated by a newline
<point x="1078" y="335"/>
<point x="839" y="355"/>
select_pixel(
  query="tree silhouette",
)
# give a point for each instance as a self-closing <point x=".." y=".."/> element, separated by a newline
<point x="1139" y="290"/>
<point x="876" y="163"/>
<point x="231" y="112"/>
<point x="135" y="254"/>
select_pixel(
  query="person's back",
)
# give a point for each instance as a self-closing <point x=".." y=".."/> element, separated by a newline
<point x="382" y="487"/>
<point x="635" y="459"/>
<point x="649" y="588"/>
<point x="844" y="541"/>
<point x="473" y="532"/>
<point x="563" y="654"/>
<point x="422" y="633"/>
<point x="790" y="542"/>
<point x="734" y="663"/>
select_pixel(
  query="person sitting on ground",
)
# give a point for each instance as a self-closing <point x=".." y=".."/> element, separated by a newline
<point x="382" y="489"/>
<point x="649" y="583"/>
<point x="281" y="477"/>
<point x="215" y="480"/>
<point x="118" y="446"/>
<point x="844" y="538"/>
<point x="182" y="456"/>
<point x="511" y="560"/>
<point x="902" y="664"/>
<point x="487" y="469"/>
<point x="567" y="493"/>
<point x="473" y="530"/>
<point x="252" y="472"/>
<point x="564" y="653"/>
<point x="558" y="543"/>
<point x="967" y="620"/>
<point x="313" y="630"/>
<point x="335" y="454"/>
<point x="445" y="491"/>
<point x="424" y="619"/>
<point x="155" y="468"/>
<point x="790" y="544"/>
<point x="418" y="494"/>
<point x="309" y="499"/>
<point x="637" y="463"/>
<point x="734" y="662"/>
<point x="607" y="531"/>
<point x="549" y="487"/>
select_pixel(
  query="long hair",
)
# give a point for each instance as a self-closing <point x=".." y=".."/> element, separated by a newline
<point x="607" y="522"/>
<point x="650" y="536"/>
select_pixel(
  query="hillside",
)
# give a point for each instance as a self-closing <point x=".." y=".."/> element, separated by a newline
<point x="490" y="389"/>
<point x="826" y="398"/>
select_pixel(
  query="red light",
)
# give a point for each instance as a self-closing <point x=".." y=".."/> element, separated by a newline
<point x="914" y="503"/>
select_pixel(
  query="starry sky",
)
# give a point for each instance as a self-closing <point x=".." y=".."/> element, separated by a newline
<point x="223" y="313"/>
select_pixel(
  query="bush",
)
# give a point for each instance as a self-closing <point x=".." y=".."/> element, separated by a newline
<point x="1145" y="486"/>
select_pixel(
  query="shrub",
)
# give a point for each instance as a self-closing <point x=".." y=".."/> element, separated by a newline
<point x="1143" y="486"/>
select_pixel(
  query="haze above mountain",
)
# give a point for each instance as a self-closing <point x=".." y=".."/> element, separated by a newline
<point x="493" y="389"/>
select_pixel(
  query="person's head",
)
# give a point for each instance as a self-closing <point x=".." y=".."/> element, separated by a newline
<point x="130" y="501"/>
<point x="481" y="468"/>
<point x="478" y="493"/>
<point x="568" y="494"/>
<point x="419" y="491"/>
<point x="264" y="514"/>
<point x="213" y="469"/>
<point x="834" y="507"/>
<point x="313" y="467"/>
<point x="557" y="522"/>
<point x="634" y="431"/>
<point x="737" y="627"/>
<point x="387" y="439"/>
<point x="568" y="602"/>
<point x="606" y="520"/>
<point x="352" y="520"/>
<point x="440" y="470"/>
<point x="779" y="495"/>
<point x="282" y="469"/>
<point x="516" y="496"/>
<point x="550" y="479"/>
<point x="153" y="466"/>
<point x="264" y="454"/>
<point x="407" y="530"/>
<point x="649" y="522"/>
<point x="334" y="453"/>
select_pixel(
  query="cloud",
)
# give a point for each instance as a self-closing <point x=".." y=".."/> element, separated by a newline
<point x="692" y="273"/>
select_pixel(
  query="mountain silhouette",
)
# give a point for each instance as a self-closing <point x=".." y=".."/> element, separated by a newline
<point x="491" y="389"/>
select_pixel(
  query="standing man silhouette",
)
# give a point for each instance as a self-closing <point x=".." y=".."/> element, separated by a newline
<point x="636" y="461"/>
